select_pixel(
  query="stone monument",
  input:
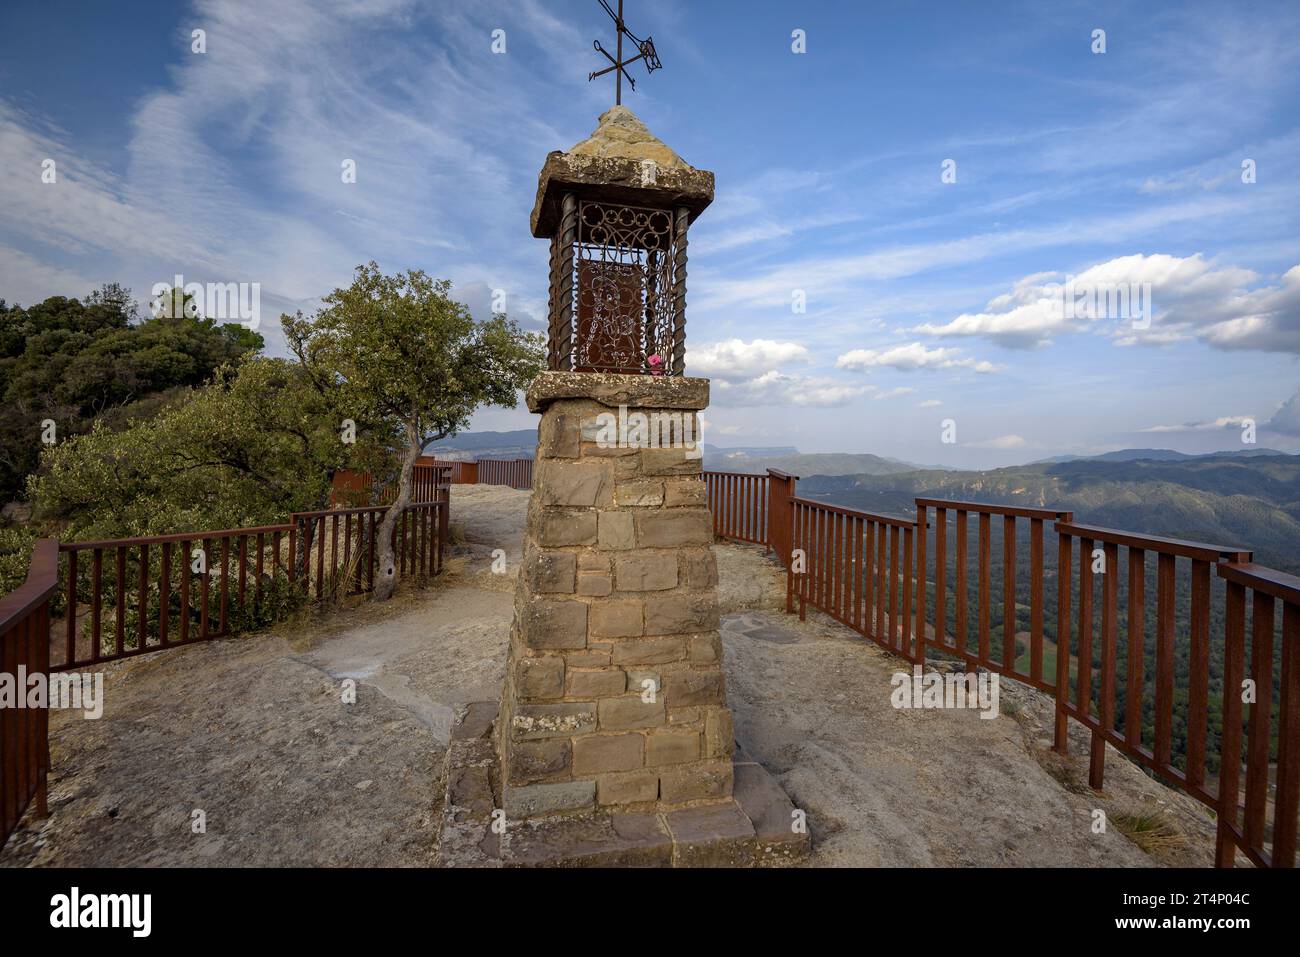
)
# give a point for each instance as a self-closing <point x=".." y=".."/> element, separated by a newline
<point x="613" y="741"/>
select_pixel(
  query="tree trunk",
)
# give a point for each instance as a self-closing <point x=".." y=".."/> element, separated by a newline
<point x="386" y="561"/>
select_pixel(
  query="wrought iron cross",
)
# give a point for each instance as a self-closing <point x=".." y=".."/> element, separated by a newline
<point x="646" y="48"/>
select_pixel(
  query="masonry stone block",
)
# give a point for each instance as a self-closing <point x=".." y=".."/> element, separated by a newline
<point x="672" y="747"/>
<point x="695" y="782"/>
<point x="533" y="761"/>
<point x="617" y="618"/>
<point x="551" y="572"/>
<point x="564" y="527"/>
<point x="602" y="683"/>
<point x="646" y="571"/>
<point x="616" y="530"/>
<point x="559" y="436"/>
<point x="555" y="624"/>
<point x="648" y="651"/>
<point x="680" y="492"/>
<point x="639" y="493"/>
<point x="699" y="568"/>
<point x="573" y="484"/>
<point x="690" y="687"/>
<point x="540" y="677"/>
<point x="621" y="714"/>
<point x="531" y="721"/>
<point x="627" y="787"/>
<point x="680" y="614"/>
<point x="672" y="528"/>
<point x="599" y="753"/>
<point x="669" y="462"/>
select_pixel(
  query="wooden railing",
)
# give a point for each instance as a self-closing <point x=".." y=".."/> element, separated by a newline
<point x="857" y="567"/>
<point x="975" y="645"/>
<point x="132" y="596"/>
<point x="738" y="501"/>
<point x="517" y="473"/>
<point x="24" y="731"/>
<point x="878" y="575"/>
<point x="1267" y="588"/>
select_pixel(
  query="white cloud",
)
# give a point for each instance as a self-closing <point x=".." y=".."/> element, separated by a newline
<point x="910" y="357"/>
<point x="734" y="358"/>
<point x="777" y="388"/>
<point x="1286" y="420"/>
<point x="1210" y="425"/>
<point x="1001" y="442"/>
<point x="1190" y="298"/>
<point x="894" y="393"/>
<point x="930" y="404"/>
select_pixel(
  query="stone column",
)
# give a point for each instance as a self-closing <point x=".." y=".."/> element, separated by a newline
<point x="614" y="693"/>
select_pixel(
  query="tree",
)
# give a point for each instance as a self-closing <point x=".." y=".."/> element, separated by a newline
<point x="258" y="442"/>
<point x="77" y="362"/>
<point x="399" y="350"/>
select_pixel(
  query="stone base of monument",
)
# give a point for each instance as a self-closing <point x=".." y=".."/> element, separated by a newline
<point x="752" y="828"/>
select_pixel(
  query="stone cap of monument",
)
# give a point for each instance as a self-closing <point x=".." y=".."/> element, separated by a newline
<point x="612" y="389"/>
<point x="621" y="162"/>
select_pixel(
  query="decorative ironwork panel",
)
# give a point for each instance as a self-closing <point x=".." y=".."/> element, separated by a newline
<point x="624" y="289"/>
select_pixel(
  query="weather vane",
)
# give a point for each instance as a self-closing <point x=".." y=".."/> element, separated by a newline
<point x="646" y="46"/>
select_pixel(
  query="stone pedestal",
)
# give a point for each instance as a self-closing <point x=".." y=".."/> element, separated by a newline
<point x="614" y="693"/>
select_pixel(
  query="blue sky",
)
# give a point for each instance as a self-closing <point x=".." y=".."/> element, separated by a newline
<point x="925" y="300"/>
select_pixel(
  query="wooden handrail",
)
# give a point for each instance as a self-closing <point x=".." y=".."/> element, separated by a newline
<point x="1016" y="511"/>
<point x="42" y="579"/>
<point x="1155" y="543"/>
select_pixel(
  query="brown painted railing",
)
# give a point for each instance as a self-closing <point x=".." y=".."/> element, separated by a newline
<point x="24" y="643"/>
<point x="738" y="501"/>
<point x="856" y="567"/>
<point x="429" y="481"/>
<point x="1267" y="588"/>
<point x="974" y="644"/>
<point x="1099" y="564"/>
<point x="517" y="473"/>
<point x="874" y="573"/>
<point x="132" y="596"/>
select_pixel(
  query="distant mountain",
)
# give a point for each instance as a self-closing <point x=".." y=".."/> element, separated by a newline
<point x="1249" y="501"/>
<point x="797" y="463"/>
<point x="1155" y="455"/>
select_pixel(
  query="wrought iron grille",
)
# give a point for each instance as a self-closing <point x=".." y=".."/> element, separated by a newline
<point x="613" y="297"/>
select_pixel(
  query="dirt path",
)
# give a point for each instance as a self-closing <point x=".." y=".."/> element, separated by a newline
<point x="254" y="733"/>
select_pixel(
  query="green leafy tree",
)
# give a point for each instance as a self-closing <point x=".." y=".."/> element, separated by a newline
<point x="398" y="350"/>
<point x="258" y="442"/>
<point x="79" y="362"/>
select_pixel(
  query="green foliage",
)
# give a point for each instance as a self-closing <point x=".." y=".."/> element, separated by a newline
<point x="254" y="445"/>
<point x="93" y="361"/>
<point x="399" y="349"/>
<point x="15" y="556"/>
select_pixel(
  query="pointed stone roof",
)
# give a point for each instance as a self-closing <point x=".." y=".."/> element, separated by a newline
<point x="621" y="162"/>
<point x="620" y="134"/>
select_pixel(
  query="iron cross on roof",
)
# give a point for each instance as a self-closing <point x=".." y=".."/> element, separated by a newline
<point x="646" y="46"/>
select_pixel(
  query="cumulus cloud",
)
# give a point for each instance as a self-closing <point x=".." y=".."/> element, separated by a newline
<point x="733" y="358"/>
<point x="1286" y="420"/>
<point x="1208" y="425"/>
<point x="778" y="388"/>
<point x="910" y="357"/>
<point x="1228" y="307"/>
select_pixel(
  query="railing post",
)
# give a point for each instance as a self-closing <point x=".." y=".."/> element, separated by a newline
<point x="780" y="514"/>
<point x="922" y="523"/>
